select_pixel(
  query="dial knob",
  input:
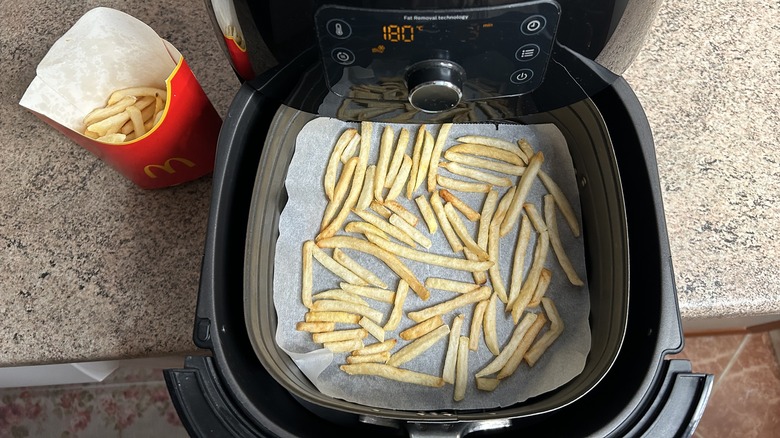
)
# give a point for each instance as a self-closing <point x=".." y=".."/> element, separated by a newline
<point x="435" y="85"/>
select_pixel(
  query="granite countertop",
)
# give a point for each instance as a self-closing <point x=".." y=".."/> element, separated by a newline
<point x="93" y="268"/>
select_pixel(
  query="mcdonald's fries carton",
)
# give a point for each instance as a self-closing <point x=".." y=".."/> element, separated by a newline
<point x="113" y="86"/>
<point x="225" y="14"/>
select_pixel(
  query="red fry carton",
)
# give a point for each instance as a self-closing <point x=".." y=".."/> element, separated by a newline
<point x="225" y="14"/>
<point x="107" y="50"/>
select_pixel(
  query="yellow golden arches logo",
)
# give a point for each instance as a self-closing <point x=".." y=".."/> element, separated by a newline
<point x="167" y="166"/>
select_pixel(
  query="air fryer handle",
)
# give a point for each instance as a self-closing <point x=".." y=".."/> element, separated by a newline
<point x="454" y="430"/>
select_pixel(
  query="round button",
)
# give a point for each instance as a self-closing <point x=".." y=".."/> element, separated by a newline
<point x="533" y="24"/>
<point x="527" y="52"/>
<point x="435" y="85"/>
<point x="521" y="76"/>
<point x="338" y="28"/>
<point x="342" y="56"/>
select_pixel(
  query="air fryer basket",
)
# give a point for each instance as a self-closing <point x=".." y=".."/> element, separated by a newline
<point x="606" y="246"/>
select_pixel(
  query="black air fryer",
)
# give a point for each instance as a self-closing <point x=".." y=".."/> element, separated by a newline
<point x="436" y="61"/>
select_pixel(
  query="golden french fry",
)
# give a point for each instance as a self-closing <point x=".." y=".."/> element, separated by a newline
<point x="342" y="317"/>
<point x="339" y="192"/>
<point x="499" y="361"/>
<point x="400" y="180"/>
<point x="380" y="209"/>
<point x="315" y="327"/>
<point x="349" y="150"/>
<point x="393" y="373"/>
<point x="543" y="343"/>
<point x="444" y="223"/>
<point x="431" y="259"/>
<point x="445" y="307"/>
<point x="461" y="369"/>
<point x="418" y="346"/>
<point x="386" y="226"/>
<point x="411" y="185"/>
<point x="392" y="262"/>
<point x="494" y="250"/>
<point x="517" y="356"/>
<point x="367" y="192"/>
<point x="479" y="277"/>
<point x="477" y="320"/>
<point x="450" y="285"/>
<point x="349" y="203"/>
<point x="369" y="358"/>
<point x="463" y="233"/>
<point x="306" y="268"/>
<point x="451" y="357"/>
<point x="425" y="159"/>
<point x="488" y="152"/>
<point x="398" y="156"/>
<point x="411" y="231"/>
<point x="118" y="95"/>
<point x="339" y="335"/>
<point x="110" y="125"/>
<point x="518" y="260"/>
<point x="344" y="346"/>
<point x="536" y="218"/>
<point x="541" y="287"/>
<point x="476" y="174"/>
<point x="358" y="269"/>
<point x="385" y="150"/>
<point x="456" y="202"/>
<point x="462" y="186"/>
<point x="487" y="384"/>
<point x="421" y="328"/>
<point x="374" y="293"/>
<point x="528" y="151"/>
<point x="483" y="163"/>
<point x="341" y="306"/>
<point x="555" y="242"/>
<point x="363" y="228"/>
<point x="340" y="295"/>
<point x="523" y="187"/>
<point x="491" y="141"/>
<point x="373" y="328"/>
<point x="98" y="114"/>
<point x="159" y="106"/>
<point x="335" y="267"/>
<point x="402" y="211"/>
<point x="433" y="168"/>
<point x="398" y="306"/>
<point x="137" y="120"/>
<point x="332" y="166"/>
<point x="113" y="138"/>
<point x="489" y="326"/>
<point x="562" y="202"/>
<point x="529" y="286"/>
<point x="379" y="347"/>
<point x="427" y="213"/>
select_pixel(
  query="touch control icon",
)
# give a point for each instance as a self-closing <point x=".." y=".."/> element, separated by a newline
<point x="521" y="76"/>
<point x="339" y="28"/>
<point x="342" y="56"/>
<point x="527" y="52"/>
<point x="533" y="25"/>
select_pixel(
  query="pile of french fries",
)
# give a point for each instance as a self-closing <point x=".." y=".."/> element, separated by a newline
<point x="343" y="320"/>
<point x="128" y="114"/>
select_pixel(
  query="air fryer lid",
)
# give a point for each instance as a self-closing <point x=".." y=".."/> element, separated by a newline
<point x="604" y="229"/>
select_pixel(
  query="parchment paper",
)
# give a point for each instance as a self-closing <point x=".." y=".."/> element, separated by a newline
<point x="300" y="221"/>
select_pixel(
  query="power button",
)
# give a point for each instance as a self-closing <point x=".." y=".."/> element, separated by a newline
<point x="521" y="76"/>
<point x="342" y="56"/>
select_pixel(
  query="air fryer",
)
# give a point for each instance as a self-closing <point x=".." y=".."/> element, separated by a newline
<point x="498" y="62"/>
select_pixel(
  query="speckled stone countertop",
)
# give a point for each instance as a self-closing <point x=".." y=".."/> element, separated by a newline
<point x="93" y="268"/>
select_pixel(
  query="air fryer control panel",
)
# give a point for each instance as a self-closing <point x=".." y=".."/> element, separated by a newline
<point x="500" y="51"/>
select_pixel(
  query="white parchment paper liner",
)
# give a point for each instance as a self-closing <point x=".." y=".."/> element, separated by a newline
<point x="300" y="221"/>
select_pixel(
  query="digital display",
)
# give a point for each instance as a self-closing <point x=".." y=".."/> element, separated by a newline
<point x="398" y="33"/>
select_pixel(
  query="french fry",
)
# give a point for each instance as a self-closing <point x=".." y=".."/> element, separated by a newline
<point x="335" y="267"/>
<point x="529" y="286"/>
<point x="109" y="125"/>
<point x="113" y="138"/>
<point x="339" y="335"/>
<point x="463" y="233"/>
<point x="456" y="202"/>
<point x="517" y="356"/>
<point x="392" y="262"/>
<point x="488" y="152"/>
<point x="427" y="213"/>
<point x="315" y="327"/>
<point x="487" y="384"/>
<point x="462" y="186"/>
<point x="528" y="151"/>
<point x="562" y="202"/>
<point x="425" y="159"/>
<point x="339" y="192"/>
<point x="411" y="185"/>
<point x="363" y="228"/>
<point x="342" y="317"/>
<point x="411" y="231"/>
<point x="555" y="242"/>
<point x="340" y="295"/>
<point x="332" y="166"/>
<point x="444" y="223"/>
<point x="349" y="151"/>
<point x="358" y="269"/>
<point x="367" y="191"/>
<point x="491" y="141"/>
<point x="430" y="258"/>
<point x="343" y="346"/>
<point x="400" y="210"/>
<point x="368" y="358"/>
<point x="418" y="346"/>
<point x="483" y="163"/>
<point x="393" y="373"/>
<point x="445" y="307"/>
<point x="523" y="187"/>
<point x="341" y="306"/>
<point x="499" y="361"/>
<point x="536" y="218"/>
<point x="373" y="328"/>
<point x="307" y="273"/>
<point x="480" y="277"/>
<point x="541" y="287"/>
<point x="475" y="174"/>
<point x="450" y="285"/>
<point x="489" y="326"/>
<point x="374" y="293"/>
<point x="543" y="343"/>
<point x="118" y="95"/>
<point x="386" y="226"/>
<point x="433" y="168"/>
<point x="421" y="328"/>
<point x="494" y="251"/>
<point x="380" y="209"/>
<point x="98" y="114"/>
<point x="461" y="369"/>
<point x="503" y="205"/>
<point x="383" y="161"/>
<point x="400" y="180"/>
<point x="477" y="320"/>
<point x="379" y="347"/>
<point x="451" y="357"/>
<point x="518" y="260"/>
<point x="398" y="306"/>
<point x="398" y="156"/>
<point x="137" y="119"/>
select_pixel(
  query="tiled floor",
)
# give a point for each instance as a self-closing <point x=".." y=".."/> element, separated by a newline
<point x="134" y="402"/>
